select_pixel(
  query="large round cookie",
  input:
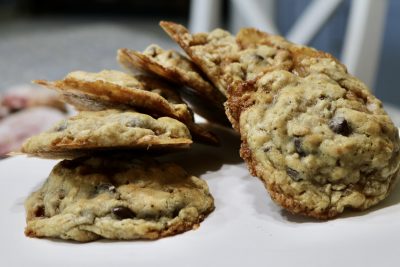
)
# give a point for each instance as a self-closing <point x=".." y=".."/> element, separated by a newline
<point x="321" y="143"/>
<point x="117" y="198"/>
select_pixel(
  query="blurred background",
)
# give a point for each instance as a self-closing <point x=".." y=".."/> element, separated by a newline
<point x="47" y="39"/>
<point x="44" y="39"/>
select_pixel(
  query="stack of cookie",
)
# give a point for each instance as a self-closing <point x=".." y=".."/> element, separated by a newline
<point x="314" y="134"/>
<point x="109" y="185"/>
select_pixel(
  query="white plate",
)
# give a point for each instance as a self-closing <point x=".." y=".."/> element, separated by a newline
<point x="246" y="228"/>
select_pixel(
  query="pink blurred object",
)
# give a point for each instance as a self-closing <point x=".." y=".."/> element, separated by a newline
<point x="16" y="127"/>
<point x="26" y="96"/>
<point x="3" y="111"/>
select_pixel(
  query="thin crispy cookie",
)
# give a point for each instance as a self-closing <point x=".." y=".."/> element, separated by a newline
<point x="114" y="89"/>
<point x="172" y="66"/>
<point x="108" y="130"/>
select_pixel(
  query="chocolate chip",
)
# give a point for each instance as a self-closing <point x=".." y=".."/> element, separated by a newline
<point x="258" y="57"/>
<point x="267" y="148"/>
<point x="61" y="127"/>
<point x="339" y="125"/>
<point x="152" y="51"/>
<point x="39" y="212"/>
<point x="121" y="212"/>
<point x="70" y="164"/>
<point x="86" y="170"/>
<point x="105" y="188"/>
<point x="175" y="213"/>
<point x="298" y="147"/>
<point x="295" y="175"/>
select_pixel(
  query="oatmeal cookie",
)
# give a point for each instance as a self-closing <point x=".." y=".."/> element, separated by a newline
<point x="225" y="58"/>
<point x="108" y="129"/>
<point x="117" y="198"/>
<point x="172" y="66"/>
<point x="115" y="89"/>
<point x="318" y="139"/>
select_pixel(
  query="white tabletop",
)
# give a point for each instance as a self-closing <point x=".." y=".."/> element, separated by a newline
<point x="246" y="228"/>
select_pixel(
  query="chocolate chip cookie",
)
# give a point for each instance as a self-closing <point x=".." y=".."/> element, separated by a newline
<point x="225" y="58"/>
<point x="316" y="137"/>
<point x="115" y="89"/>
<point x="108" y="129"/>
<point x="172" y="66"/>
<point x="117" y="198"/>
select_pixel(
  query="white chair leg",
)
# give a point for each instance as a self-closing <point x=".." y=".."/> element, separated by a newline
<point x="205" y="15"/>
<point x="236" y="20"/>
<point x="254" y="13"/>
<point x="363" y="38"/>
<point x="311" y="20"/>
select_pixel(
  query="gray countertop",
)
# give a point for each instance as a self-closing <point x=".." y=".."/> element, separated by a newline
<point x="50" y="48"/>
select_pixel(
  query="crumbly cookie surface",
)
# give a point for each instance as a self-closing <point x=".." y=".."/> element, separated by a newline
<point x="172" y="66"/>
<point x="115" y="89"/>
<point x="321" y="143"/>
<point x="117" y="198"/>
<point x="108" y="129"/>
<point x="225" y="58"/>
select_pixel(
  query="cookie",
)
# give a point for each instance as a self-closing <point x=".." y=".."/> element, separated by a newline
<point x="172" y="66"/>
<point x="317" y="138"/>
<point x="117" y="198"/>
<point x="108" y="130"/>
<point x="114" y="89"/>
<point x="225" y="58"/>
